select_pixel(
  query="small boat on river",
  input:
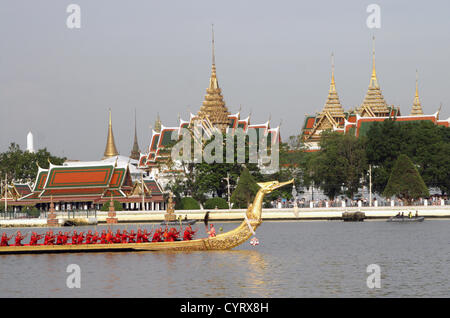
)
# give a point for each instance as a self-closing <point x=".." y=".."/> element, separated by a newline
<point x="222" y="241"/>
<point x="405" y="219"/>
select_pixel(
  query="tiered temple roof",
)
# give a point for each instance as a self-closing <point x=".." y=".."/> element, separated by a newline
<point x="213" y="106"/>
<point x="417" y="106"/>
<point x="374" y="104"/>
<point x="331" y="117"/>
<point x="373" y="109"/>
<point x="94" y="182"/>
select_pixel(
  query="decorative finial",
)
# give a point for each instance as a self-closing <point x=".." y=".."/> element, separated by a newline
<point x="373" y="80"/>
<point x="417" y="83"/>
<point x="110" y="149"/>
<point x="213" y="53"/>
<point x="332" y="85"/>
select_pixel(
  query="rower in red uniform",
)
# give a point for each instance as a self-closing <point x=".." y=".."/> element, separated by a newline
<point x="157" y="236"/>
<point x="124" y="238"/>
<point x="89" y="237"/>
<point x="49" y="238"/>
<point x="19" y="238"/>
<point x="103" y="237"/>
<point x="139" y="236"/>
<point x="118" y="237"/>
<point x="80" y="238"/>
<point x="59" y="238"/>
<point x="172" y="235"/>
<point x="145" y="236"/>
<point x="109" y="237"/>
<point x="188" y="233"/>
<point x="5" y="239"/>
<point x="34" y="239"/>
<point x="95" y="238"/>
<point x="65" y="238"/>
<point x="166" y="234"/>
<point x="131" y="237"/>
<point x="74" y="238"/>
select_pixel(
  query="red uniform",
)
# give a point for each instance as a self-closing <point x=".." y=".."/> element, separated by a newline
<point x="118" y="237"/>
<point x="172" y="235"/>
<point x="65" y="238"/>
<point x="145" y="236"/>
<point x="60" y="238"/>
<point x="5" y="240"/>
<point x="19" y="238"/>
<point x="89" y="237"/>
<point x="80" y="238"/>
<point x="49" y="238"/>
<point x="74" y="238"/>
<point x="103" y="237"/>
<point x="157" y="236"/>
<point x="124" y="238"/>
<point x="109" y="237"/>
<point x="34" y="239"/>
<point x="139" y="236"/>
<point x="131" y="237"/>
<point x="95" y="238"/>
<point x="188" y="234"/>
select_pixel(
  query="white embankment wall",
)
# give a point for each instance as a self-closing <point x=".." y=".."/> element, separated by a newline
<point x="238" y="215"/>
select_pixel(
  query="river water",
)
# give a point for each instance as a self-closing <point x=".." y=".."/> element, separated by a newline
<point x="293" y="259"/>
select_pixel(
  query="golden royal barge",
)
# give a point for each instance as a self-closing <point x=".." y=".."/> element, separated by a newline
<point x="222" y="241"/>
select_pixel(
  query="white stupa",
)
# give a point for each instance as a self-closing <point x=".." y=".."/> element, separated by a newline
<point x="30" y="143"/>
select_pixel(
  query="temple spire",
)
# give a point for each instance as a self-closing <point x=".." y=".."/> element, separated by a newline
<point x="373" y="78"/>
<point x="213" y="49"/>
<point x="157" y="127"/>
<point x="213" y="107"/>
<point x="333" y="104"/>
<point x="374" y="104"/>
<point x="417" y="106"/>
<point x="333" y="84"/>
<point x="110" y="150"/>
<point x="135" y="152"/>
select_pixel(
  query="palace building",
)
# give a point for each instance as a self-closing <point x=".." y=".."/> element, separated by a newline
<point x="374" y="108"/>
<point x="86" y="185"/>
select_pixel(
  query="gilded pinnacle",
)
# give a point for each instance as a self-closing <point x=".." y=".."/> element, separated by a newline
<point x="110" y="150"/>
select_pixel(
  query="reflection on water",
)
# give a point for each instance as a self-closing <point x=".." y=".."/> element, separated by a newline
<point x="294" y="259"/>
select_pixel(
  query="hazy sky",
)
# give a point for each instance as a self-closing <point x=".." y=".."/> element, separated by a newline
<point x="272" y="58"/>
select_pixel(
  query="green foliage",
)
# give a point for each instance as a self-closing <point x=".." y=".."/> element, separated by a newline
<point x="187" y="203"/>
<point x="340" y="164"/>
<point x="32" y="211"/>
<point x="405" y="181"/>
<point x="22" y="165"/>
<point x="245" y="190"/>
<point x="212" y="203"/>
<point x="117" y="206"/>
<point x="202" y="178"/>
<point x="426" y="144"/>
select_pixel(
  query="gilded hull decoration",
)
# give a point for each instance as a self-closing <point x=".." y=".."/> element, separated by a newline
<point x="222" y="241"/>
